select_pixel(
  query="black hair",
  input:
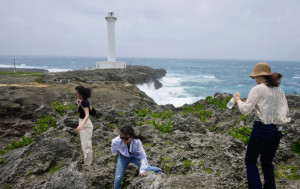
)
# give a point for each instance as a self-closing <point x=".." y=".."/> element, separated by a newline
<point x="85" y="92"/>
<point x="128" y="130"/>
<point x="273" y="80"/>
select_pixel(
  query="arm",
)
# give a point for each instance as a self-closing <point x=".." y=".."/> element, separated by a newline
<point x="144" y="162"/>
<point x="253" y="97"/>
<point x="115" y="145"/>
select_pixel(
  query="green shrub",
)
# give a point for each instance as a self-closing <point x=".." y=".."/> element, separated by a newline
<point x="220" y="103"/>
<point x="243" y="117"/>
<point x="296" y="147"/>
<point x="192" y="109"/>
<point x="166" y="128"/>
<point x="162" y="115"/>
<point x="187" y="164"/>
<point x="148" y="145"/>
<point x="142" y="113"/>
<point x="212" y="128"/>
<point x="60" y="108"/>
<point x="243" y="133"/>
<point x="167" y="114"/>
<point x="54" y="169"/>
<point x="204" y="114"/>
<point x="17" y="144"/>
<point x="287" y="172"/>
<point x="44" y="124"/>
<point x="122" y="113"/>
<point x="201" y="163"/>
<point x="39" y="79"/>
<point x="208" y="170"/>
<point x="168" y="166"/>
<point x="2" y="160"/>
<point x="164" y="159"/>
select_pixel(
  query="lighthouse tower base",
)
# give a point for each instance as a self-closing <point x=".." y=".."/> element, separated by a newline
<point x="110" y="65"/>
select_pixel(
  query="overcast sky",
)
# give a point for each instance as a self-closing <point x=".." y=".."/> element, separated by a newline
<point x="216" y="29"/>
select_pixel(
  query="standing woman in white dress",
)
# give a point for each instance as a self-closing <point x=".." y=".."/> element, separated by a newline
<point x="85" y="126"/>
<point x="271" y="109"/>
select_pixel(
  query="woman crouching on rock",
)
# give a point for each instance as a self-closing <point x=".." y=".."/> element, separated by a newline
<point x="271" y="108"/>
<point x="85" y="126"/>
<point x="130" y="149"/>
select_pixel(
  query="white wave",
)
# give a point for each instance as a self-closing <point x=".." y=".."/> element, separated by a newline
<point x="31" y="67"/>
<point x="296" y="77"/>
<point x="200" y="78"/>
<point x="168" y="94"/>
<point x="58" y="70"/>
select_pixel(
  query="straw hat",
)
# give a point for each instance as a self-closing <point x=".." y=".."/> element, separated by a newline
<point x="261" y="68"/>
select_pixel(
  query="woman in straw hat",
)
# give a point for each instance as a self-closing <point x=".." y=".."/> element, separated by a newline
<point x="271" y="109"/>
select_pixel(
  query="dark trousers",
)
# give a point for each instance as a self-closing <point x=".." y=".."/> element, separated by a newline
<point x="264" y="141"/>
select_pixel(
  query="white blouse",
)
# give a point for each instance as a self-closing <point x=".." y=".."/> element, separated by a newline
<point x="270" y="104"/>
<point x="135" y="150"/>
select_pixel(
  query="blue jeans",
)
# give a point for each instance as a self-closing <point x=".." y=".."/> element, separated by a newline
<point x="264" y="141"/>
<point x="121" y="168"/>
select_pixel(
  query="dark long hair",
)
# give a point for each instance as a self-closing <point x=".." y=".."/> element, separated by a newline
<point x="85" y="92"/>
<point x="273" y="80"/>
<point x="128" y="130"/>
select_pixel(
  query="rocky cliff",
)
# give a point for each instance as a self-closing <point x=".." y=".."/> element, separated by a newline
<point x="198" y="146"/>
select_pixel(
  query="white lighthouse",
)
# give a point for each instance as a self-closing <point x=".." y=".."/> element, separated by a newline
<point x="111" y="45"/>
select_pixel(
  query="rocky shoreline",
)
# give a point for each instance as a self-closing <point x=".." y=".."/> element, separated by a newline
<point x="196" y="145"/>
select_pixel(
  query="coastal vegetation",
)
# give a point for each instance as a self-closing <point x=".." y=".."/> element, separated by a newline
<point x="60" y="108"/>
<point x="44" y="124"/>
<point x="296" y="147"/>
<point x="218" y="102"/>
<point x="243" y="133"/>
<point x="24" y="141"/>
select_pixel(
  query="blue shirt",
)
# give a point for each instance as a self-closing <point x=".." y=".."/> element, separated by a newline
<point x="135" y="150"/>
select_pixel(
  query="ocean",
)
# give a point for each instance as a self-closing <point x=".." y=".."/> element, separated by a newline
<point x="186" y="81"/>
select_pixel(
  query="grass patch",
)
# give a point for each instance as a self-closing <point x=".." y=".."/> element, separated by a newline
<point x="187" y="164"/>
<point x="2" y="160"/>
<point x="296" y="148"/>
<point x="54" y="169"/>
<point x="148" y="145"/>
<point x="44" y="124"/>
<point x="287" y="172"/>
<point x="201" y="163"/>
<point x="142" y="113"/>
<point x="208" y="170"/>
<point x="18" y="74"/>
<point x="17" y="144"/>
<point x="220" y="103"/>
<point x="243" y="117"/>
<point x="60" y="108"/>
<point x="163" y="128"/>
<point x="162" y="115"/>
<point x="192" y="109"/>
<point x="168" y="166"/>
<point x="204" y="114"/>
<point x="164" y="159"/>
<point x="243" y="133"/>
<point x="39" y="79"/>
<point x="213" y="128"/>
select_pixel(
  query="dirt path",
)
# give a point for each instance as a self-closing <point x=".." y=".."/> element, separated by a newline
<point x="25" y="85"/>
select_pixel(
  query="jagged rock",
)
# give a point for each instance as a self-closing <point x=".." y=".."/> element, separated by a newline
<point x="157" y="84"/>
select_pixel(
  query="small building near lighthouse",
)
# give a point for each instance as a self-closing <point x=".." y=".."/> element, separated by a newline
<point x="111" y="46"/>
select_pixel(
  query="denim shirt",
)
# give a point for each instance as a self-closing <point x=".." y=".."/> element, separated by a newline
<point x="135" y="150"/>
